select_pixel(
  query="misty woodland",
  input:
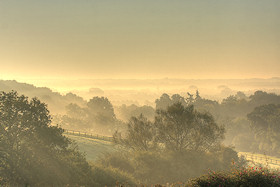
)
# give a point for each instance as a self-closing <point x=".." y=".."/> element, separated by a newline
<point x="182" y="141"/>
<point x="139" y="93"/>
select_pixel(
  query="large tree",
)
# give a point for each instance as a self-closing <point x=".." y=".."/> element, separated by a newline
<point x="265" y="123"/>
<point x="32" y="152"/>
<point x="140" y="134"/>
<point x="177" y="128"/>
<point x="101" y="109"/>
<point x="180" y="128"/>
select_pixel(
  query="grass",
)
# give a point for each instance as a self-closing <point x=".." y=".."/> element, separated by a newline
<point x="93" y="148"/>
<point x="251" y="176"/>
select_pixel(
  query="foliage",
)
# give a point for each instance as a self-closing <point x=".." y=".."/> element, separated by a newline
<point x="97" y="114"/>
<point x="154" y="167"/>
<point x="232" y="112"/>
<point x="265" y="123"/>
<point x="111" y="177"/>
<point x="140" y="134"/>
<point x="165" y="101"/>
<point x="33" y="152"/>
<point x="251" y="176"/>
<point x="101" y="110"/>
<point x="178" y="128"/>
<point x="240" y="134"/>
<point x="181" y="128"/>
<point x="125" y="112"/>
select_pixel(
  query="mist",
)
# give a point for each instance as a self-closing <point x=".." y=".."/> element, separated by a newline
<point x="139" y="93"/>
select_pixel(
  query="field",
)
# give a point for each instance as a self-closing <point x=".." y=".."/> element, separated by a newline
<point x="93" y="148"/>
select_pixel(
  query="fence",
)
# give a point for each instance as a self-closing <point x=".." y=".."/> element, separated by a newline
<point x="88" y="135"/>
<point x="262" y="159"/>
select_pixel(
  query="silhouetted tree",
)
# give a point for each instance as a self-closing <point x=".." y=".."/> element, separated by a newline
<point x="197" y="95"/>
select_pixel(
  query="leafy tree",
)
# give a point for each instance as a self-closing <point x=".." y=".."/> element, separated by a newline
<point x="125" y="112"/>
<point x="207" y="105"/>
<point x="181" y="128"/>
<point x="98" y="114"/>
<point x="265" y="123"/>
<point x="140" y="134"/>
<point x="234" y="106"/>
<point x="163" y="102"/>
<point x="75" y="111"/>
<point x="241" y="95"/>
<point x="263" y="98"/>
<point x="176" y="98"/>
<point x="31" y="151"/>
<point x="101" y="109"/>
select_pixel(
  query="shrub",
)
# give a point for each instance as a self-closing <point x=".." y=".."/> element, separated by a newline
<point x="162" y="167"/>
<point x="251" y="176"/>
<point x="111" y="177"/>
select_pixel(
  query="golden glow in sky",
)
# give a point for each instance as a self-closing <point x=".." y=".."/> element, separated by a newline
<point x="139" y="39"/>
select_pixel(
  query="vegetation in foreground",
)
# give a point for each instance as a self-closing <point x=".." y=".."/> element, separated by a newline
<point x="251" y="176"/>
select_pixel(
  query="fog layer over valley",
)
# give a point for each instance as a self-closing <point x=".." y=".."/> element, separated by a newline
<point x="129" y="93"/>
<point x="130" y="136"/>
<point x="106" y="110"/>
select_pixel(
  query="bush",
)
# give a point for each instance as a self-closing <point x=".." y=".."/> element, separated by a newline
<point x="161" y="167"/>
<point x="251" y="176"/>
<point x="108" y="176"/>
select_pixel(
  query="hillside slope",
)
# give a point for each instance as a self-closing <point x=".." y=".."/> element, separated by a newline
<point x="93" y="148"/>
<point x="55" y="101"/>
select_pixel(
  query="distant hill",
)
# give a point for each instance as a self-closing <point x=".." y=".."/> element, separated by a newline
<point x="55" y="101"/>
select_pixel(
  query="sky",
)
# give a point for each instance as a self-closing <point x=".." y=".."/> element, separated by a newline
<point x="123" y="39"/>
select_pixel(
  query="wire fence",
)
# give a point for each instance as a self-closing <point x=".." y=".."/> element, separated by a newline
<point x="262" y="159"/>
<point x="88" y="135"/>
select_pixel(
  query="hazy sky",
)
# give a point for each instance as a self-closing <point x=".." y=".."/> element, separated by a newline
<point x="139" y="39"/>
